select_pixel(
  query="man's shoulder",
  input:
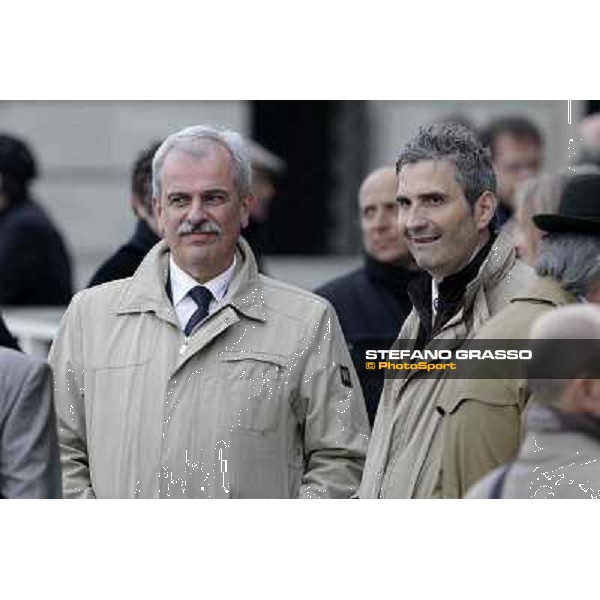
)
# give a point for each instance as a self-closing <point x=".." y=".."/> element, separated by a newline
<point x="514" y="320"/>
<point x="15" y="368"/>
<point x="291" y="299"/>
<point x="102" y="296"/>
<point x="120" y="265"/>
<point x="27" y="215"/>
<point x="340" y="286"/>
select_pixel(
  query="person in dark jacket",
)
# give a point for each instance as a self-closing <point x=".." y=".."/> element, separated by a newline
<point x="372" y="302"/>
<point x="124" y="262"/>
<point x="517" y="147"/>
<point x="35" y="268"/>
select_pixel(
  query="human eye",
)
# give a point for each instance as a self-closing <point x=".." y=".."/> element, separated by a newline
<point x="435" y="200"/>
<point x="368" y="212"/>
<point x="178" y="200"/>
<point x="215" y="198"/>
<point x="403" y="201"/>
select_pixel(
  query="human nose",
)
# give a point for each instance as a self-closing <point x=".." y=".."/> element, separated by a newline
<point x="413" y="218"/>
<point x="196" y="212"/>
<point x="380" y="220"/>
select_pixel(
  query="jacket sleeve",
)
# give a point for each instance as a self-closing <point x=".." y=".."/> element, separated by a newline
<point x="66" y="358"/>
<point x="482" y="433"/>
<point x="29" y="459"/>
<point x="336" y="429"/>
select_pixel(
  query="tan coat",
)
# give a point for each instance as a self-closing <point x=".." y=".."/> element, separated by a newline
<point x="261" y="401"/>
<point x="405" y="453"/>
<point x="482" y="422"/>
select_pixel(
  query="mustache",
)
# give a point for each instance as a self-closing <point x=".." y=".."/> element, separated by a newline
<point x="187" y="228"/>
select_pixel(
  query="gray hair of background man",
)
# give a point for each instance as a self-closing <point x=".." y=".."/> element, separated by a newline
<point x="459" y="145"/>
<point x="573" y="259"/>
<point x="194" y="141"/>
<point x="573" y="322"/>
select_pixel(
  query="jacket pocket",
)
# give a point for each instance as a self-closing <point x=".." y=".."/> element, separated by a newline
<point x="252" y="390"/>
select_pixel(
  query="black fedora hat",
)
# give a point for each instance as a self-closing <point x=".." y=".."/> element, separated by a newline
<point x="579" y="208"/>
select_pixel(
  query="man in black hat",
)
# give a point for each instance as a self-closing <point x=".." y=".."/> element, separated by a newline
<point x="35" y="267"/>
<point x="486" y="431"/>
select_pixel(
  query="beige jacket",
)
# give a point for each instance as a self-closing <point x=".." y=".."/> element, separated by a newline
<point x="405" y="453"/>
<point x="261" y="401"/>
<point x="482" y="421"/>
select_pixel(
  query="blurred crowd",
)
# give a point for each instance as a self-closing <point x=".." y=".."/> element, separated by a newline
<point x="185" y="371"/>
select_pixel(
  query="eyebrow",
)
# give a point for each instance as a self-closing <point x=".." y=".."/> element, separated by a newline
<point x="426" y="196"/>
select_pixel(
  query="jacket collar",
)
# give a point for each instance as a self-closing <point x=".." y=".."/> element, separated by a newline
<point x="544" y="417"/>
<point x="146" y="290"/>
<point x="546" y="290"/>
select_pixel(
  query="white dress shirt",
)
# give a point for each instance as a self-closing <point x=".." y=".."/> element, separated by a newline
<point x="181" y="283"/>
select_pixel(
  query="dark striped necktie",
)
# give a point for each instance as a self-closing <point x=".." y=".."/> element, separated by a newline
<point x="202" y="297"/>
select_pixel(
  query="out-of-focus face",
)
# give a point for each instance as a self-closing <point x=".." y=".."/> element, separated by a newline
<point x="515" y="160"/>
<point x="527" y="236"/>
<point x="382" y="238"/>
<point x="442" y="230"/>
<point x="200" y="213"/>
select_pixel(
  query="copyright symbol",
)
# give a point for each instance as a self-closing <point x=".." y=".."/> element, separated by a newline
<point x="370" y="365"/>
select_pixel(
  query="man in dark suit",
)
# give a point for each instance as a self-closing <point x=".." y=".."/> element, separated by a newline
<point x="35" y="268"/>
<point x="124" y="262"/>
<point x="29" y="456"/>
<point x="372" y="302"/>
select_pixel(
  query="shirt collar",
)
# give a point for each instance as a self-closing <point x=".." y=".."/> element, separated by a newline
<point x="181" y="282"/>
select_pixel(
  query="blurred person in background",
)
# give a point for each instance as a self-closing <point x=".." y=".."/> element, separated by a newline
<point x="446" y="203"/>
<point x="558" y="457"/>
<point x="35" y="268"/>
<point x="516" y="145"/>
<point x="589" y="138"/>
<point x="128" y="257"/>
<point x="372" y="302"/>
<point x="540" y="194"/>
<point x="483" y="424"/>
<point x="266" y="168"/>
<point x="29" y="456"/>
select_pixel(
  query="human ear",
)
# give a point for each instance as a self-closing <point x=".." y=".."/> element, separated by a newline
<point x="484" y="210"/>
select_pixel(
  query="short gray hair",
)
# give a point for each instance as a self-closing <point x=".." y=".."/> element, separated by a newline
<point x="573" y="259"/>
<point x="459" y="145"/>
<point x="194" y="141"/>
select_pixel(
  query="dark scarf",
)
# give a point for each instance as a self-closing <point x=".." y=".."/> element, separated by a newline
<point x="451" y="292"/>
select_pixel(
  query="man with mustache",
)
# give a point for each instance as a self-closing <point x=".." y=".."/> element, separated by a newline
<point x="446" y="198"/>
<point x="198" y="377"/>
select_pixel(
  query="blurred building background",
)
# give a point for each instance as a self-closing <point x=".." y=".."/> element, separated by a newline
<point x="85" y="151"/>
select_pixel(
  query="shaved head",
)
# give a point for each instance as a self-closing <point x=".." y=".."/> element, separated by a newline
<point x="378" y="208"/>
<point x="380" y="181"/>
<point x="578" y="362"/>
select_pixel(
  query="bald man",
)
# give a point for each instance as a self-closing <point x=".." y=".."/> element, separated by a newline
<point x="372" y="301"/>
<point x="558" y="457"/>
